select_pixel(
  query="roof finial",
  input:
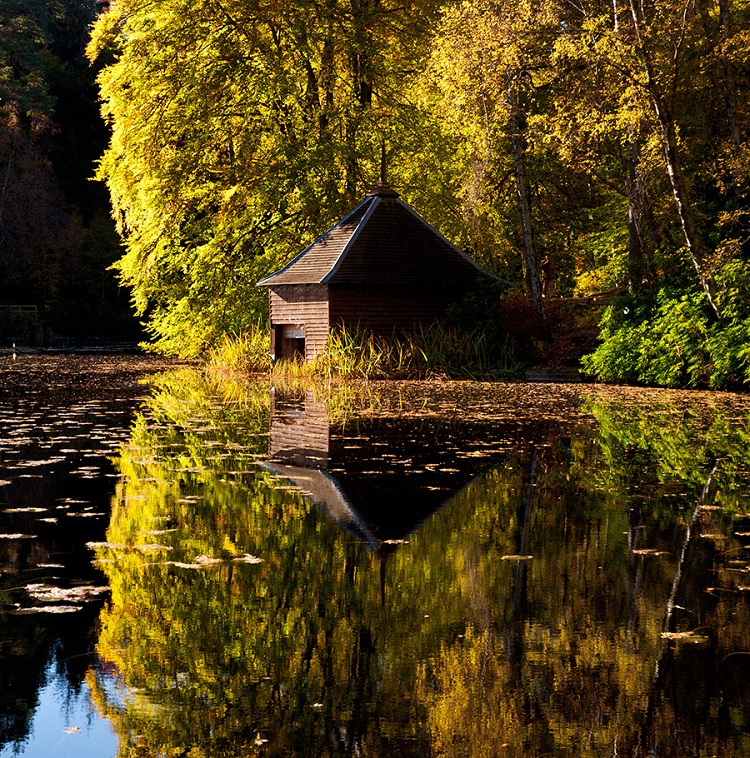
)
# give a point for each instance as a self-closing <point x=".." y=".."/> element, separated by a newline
<point x="382" y="188"/>
<point x="383" y="182"/>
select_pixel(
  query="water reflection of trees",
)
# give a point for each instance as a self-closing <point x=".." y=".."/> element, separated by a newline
<point x="451" y="644"/>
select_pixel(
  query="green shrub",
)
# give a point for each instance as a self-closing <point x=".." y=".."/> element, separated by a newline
<point x="674" y="341"/>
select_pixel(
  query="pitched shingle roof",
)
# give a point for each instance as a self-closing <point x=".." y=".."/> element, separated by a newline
<point x="381" y="242"/>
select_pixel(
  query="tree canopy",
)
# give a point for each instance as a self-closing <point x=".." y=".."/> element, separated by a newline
<point x="605" y="138"/>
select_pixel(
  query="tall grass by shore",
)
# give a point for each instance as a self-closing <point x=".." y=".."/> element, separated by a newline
<point x="434" y="351"/>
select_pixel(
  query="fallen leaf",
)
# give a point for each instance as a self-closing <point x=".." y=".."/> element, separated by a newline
<point x="683" y="636"/>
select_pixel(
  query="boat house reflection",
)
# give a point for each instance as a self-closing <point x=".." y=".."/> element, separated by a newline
<point x="379" y="480"/>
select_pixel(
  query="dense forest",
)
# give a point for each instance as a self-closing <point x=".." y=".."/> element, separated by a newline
<point x="57" y="238"/>
<point x="607" y="139"/>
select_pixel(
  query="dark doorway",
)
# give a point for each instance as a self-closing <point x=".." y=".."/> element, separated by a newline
<point x="292" y="342"/>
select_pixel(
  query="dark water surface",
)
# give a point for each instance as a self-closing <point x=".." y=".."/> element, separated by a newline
<point x="199" y="566"/>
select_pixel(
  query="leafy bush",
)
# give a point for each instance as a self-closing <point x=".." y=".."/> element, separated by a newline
<point x="674" y="341"/>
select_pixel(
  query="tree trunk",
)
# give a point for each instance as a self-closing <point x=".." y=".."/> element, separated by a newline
<point x="730" y="95"/>
<point x="640" y="266"/>
<point x="665" y="119"/>
<point x="684" y="211"/>
<point x="519" y="157"/>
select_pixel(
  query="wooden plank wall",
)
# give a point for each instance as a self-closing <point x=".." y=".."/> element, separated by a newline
<point x="305" y="304"/>
<point x="386" y="310"/>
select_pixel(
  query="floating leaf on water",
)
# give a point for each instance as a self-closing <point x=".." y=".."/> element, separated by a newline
<point x="25" y="510"/>
<point x="710" y="507"/>
<point x="684" y="636"/>
<point x="85" y="515"/>
<point x="72" y="729"/>
<point x="113" y="545"/>
<point x="710" y="536"/>
<point x="3" y="482"/>
<point x="48" y="609"/>
<point x="50" y="565"/>
<point x="207" y="560"/>
<point x="49" y="520"/>
<point x="48" y="593"/>
<point x="742" y="534"/>
<point x="247" y="558"/>
<point x="516" y="557"/>
<point x="153" y="547"/>
<point x="18" y="536"/>
<point x="650" y="551"/>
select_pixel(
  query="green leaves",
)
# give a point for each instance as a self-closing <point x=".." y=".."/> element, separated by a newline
<point x="674" y="342"/>
<point x="238" y="134"/>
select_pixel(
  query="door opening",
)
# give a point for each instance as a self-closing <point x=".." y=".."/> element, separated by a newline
<point x="292" y="342"/>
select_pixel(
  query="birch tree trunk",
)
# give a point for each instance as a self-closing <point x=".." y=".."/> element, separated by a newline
<point x="640" y="267"/>
<point x="667" y="127"/>
<point x="519" y="159"/>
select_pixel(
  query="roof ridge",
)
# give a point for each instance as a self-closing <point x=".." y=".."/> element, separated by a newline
<point x="267" y="279"/>
<point x="374" y="202"/>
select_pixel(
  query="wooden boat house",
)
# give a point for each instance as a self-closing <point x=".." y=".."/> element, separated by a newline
<point x="382" y="268"/>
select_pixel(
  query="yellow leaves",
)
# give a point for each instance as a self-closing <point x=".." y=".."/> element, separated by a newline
<point x="106" y="32"/>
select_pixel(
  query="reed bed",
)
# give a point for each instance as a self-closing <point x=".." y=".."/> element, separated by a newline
<point x="247" y="353"/>
<point x="434" y="351"/>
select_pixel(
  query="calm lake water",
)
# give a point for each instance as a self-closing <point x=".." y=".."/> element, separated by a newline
<point x="196" y="566"/>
